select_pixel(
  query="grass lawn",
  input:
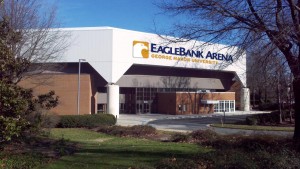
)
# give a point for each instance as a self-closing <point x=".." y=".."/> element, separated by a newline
<point x="248" y="127"/>
<point x="103" y="151"/>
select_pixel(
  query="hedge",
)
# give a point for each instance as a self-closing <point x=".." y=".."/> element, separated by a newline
<point x="252" y="120"/>
<point x="95" y="120"/>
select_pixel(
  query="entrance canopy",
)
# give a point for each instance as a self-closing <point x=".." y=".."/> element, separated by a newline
<point x="174" y="77"/>
<point x="210" y="101"/>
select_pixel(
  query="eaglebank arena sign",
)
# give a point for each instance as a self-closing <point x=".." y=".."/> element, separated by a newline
<point x="145" y="50"/>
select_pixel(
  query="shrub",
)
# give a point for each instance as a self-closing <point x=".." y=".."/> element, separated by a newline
<point x="257" y="151"/>
<point x="251" y="121"/>
<point x="272" y="144"/>
<point x="21" y="161"/>
<point x="11" y="127"/>
<point x="50" y="120"/>
<point x="180" y="137"/>
<point x="235" y="158"/>
<point x="227" y="159"/>
<point x="19" y="111"/>
<point x="256" y="143"/>
<point x="204" y="135"/>
<point x="268" y="118"/>
<point x="134" y="131"/>
<point x="265" y="119"/>
<point x="43" y="118"/>
<point x="286" y="113"/>
<point x="281" y="159"/>
<point x="140" y="130"/>
<point x="75" y="121"/>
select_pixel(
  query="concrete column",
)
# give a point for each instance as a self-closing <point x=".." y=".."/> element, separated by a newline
<point x="245" y="99"/>
<point x="113" y="100"/>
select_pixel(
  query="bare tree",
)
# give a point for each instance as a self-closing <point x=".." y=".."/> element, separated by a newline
<point x="260" y="78"/>
<point x="176" y="82"/>
<point x="262" y="75"/>
<point x="270" y="24"/>
<point x="40" y="42"/>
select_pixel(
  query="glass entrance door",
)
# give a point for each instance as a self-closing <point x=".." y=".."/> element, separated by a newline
<point x="144" y="99"/>
<point x="143" y="107"/>
<point x="146" y="108"/>
<point x="139" y="108"/>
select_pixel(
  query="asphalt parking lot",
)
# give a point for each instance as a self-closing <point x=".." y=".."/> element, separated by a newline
<point x="189" y="123"/>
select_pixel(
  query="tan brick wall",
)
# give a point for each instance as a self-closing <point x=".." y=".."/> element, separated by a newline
<point x="66" y="87"/>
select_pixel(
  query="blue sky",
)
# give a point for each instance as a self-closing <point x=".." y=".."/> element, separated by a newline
<point x="139" y="15"/>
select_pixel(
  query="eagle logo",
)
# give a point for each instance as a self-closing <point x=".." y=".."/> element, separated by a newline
<point x="140" y="49"/>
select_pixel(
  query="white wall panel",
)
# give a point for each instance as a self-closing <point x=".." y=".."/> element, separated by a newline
<point x="110" y="52"/>
<point x="94" y="45"/>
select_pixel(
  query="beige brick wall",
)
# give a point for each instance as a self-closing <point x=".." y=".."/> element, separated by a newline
<point x="66" y="87"/>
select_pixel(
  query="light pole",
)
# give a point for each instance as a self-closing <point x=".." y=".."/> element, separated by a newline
<point x="253" y="106"/>
<point x="78" y="90"/>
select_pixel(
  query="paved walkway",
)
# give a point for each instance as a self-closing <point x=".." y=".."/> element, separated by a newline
<point x="143" y="119"/>
<point x="188" y="123"/>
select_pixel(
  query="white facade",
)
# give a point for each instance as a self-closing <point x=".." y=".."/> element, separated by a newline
<point x="111" y="52"/>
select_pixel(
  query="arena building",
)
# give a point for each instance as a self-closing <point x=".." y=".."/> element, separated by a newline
<point x="110" y="70"/>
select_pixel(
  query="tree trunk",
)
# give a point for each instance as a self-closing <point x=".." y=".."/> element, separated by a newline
<point x="279" y="100"/>
<point x="290" y="110"/>
<point x="266" y="98"/>
<point x="290" y="97"/>
<point x="259" y="96"/>
<point x="296" y="87"/>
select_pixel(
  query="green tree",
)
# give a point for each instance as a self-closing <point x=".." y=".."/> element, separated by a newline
<point x="16" y="103"/>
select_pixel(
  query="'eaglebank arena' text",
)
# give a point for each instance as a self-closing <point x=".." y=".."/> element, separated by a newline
<point x="186" y="53"/>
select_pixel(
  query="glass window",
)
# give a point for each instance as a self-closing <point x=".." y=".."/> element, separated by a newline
<point x="227" y="106"/>
<point x="139" y="94"/>
<point x="232" y="107"/>
<point x="146" y="93"/>
<point x="222" y="106"/>
<point x="184" y="108"/>
<point x="153" y="93"/>
<point x="179" y="107"/>
<point x="216" y="107"/>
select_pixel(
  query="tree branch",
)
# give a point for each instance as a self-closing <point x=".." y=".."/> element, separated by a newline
<point x="260" y="21"/>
